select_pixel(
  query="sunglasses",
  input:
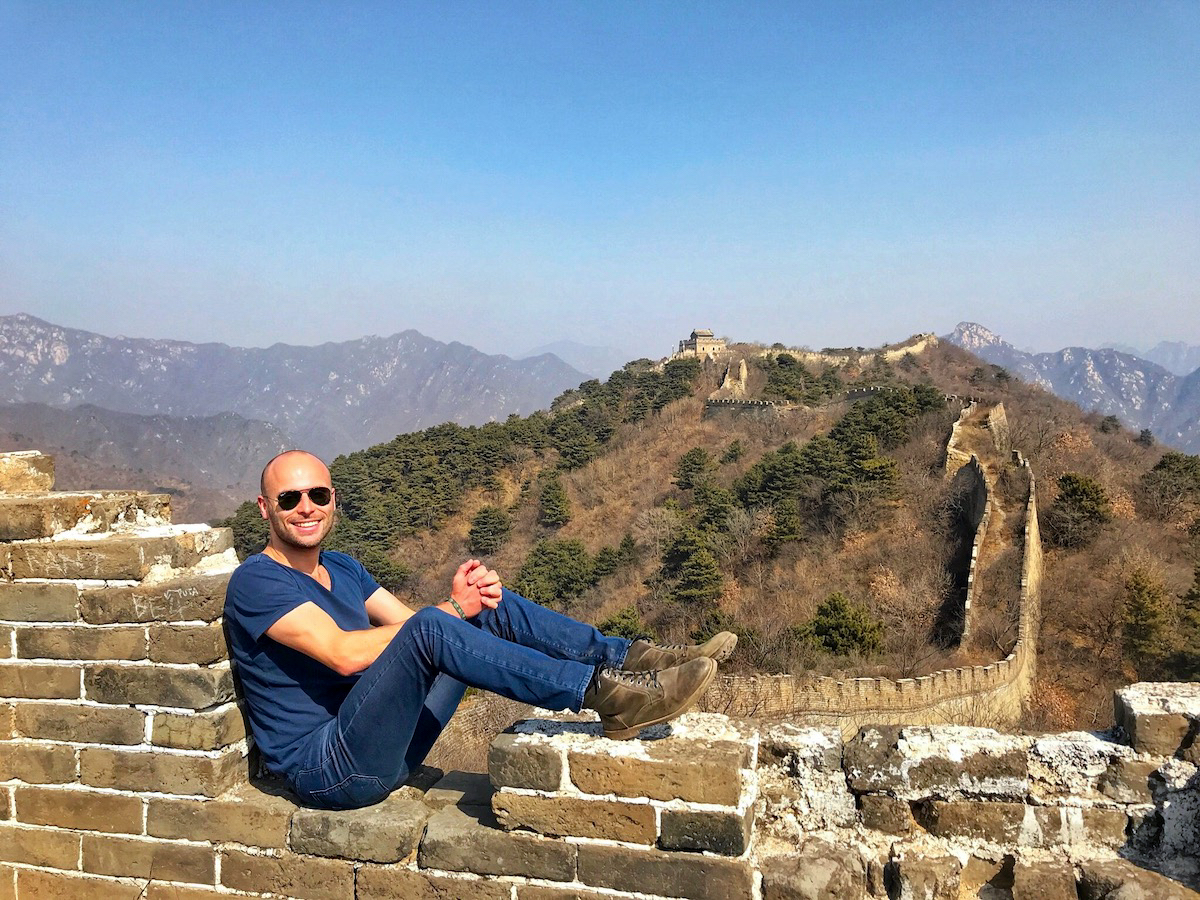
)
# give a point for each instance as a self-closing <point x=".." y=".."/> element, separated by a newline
<point x="320" y="496"/>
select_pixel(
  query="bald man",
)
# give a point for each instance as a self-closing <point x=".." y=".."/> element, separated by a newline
<point x="347" y="688"/>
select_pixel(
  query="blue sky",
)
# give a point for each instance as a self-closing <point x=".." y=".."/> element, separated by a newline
<point x="511" y="174"/>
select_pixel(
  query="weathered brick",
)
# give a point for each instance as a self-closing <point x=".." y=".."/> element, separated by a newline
<point x="200" y="644"/>
<point x="86" y="724"/>
<point x="38" y="602"/>
<point x="87" y="810"/>
<point x="469" y="840"/>
<point x="302" y="877"/>
<point x="31" y="681"/>
<point x="138" y="858"/>
<point x="817" y="871"/>
<point x="1157" y="717"/>
<point x="245" y="815"/>
<point x="60" y="886"/>
<point x="1049" y="880"/>
<point x="398" y="883"/>
<point x="171" y="773"/>
<point x="460" y="789"/>
<point x="41" y="516"/>
<point x="995" y="821"/>
<point x="882" y="812"/>
<point x="36" y="763"/>
<point x="799" y="746"/>
<point x="8" y="712"/>
<point x="932" y="877"/>
<point x="686" y="875"/>
<point x="696" y="771"/>
<point x="26" y="471"/>
<point x="615" y="820"/>
<point x="185" y="688"/>
<point x="6" y="635"/>
<point x="160" y="891"/>
<point x="386" y="832"/>
<point x="544" y="892"/>
<point x="39" y="847"/>
<point x="726" y="832"/>
<point x="83" y="642"/>
<point x="1128" y="780"/>
<point x="208" y="730"/>
<point x="115" y="557"/>
<point x="5" y="803"/>
<point x="8" y="883"/>
<point x="1069" y="826"/>
<point x="1102" y="879"/>
<point x="193" y="598"/>
<point x="518" y="762"/>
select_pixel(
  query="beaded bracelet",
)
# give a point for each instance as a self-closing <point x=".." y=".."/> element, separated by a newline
<point x="458" y="609"/>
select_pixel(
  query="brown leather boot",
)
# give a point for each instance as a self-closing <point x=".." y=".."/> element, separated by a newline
<point x="629" y="701"/>
<point x="644" y="656"/>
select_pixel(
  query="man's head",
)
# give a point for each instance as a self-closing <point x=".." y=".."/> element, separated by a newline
<point x="288" y="480"/>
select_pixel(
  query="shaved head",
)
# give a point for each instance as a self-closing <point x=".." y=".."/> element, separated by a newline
<point x="280" y="459"/>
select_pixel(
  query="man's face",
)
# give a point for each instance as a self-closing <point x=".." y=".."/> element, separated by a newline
<point x="307" y="523"/>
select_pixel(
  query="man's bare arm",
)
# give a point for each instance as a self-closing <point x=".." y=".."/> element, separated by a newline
<point x="313" y="632"/>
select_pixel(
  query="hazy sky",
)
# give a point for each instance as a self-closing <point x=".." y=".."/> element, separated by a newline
<point x="509" y="174"/>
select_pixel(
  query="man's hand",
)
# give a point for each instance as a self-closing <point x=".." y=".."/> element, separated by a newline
<point x="475" y="586"/>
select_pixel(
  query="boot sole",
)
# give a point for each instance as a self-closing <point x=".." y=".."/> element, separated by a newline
<point x="625" y="733"/>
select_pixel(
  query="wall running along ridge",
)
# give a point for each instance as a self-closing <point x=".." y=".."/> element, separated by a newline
<point x="125" y="769"/>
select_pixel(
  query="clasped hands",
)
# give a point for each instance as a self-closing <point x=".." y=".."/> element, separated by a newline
<point x="475" y="586"/>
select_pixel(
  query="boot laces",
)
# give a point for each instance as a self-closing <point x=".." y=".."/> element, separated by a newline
<point x="640" y="679"/>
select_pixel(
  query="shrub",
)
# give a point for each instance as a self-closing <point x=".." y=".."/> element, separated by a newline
<point x="1078" y="513"/>
<point x="841" y="627"/>
<point x="489" y="529"/>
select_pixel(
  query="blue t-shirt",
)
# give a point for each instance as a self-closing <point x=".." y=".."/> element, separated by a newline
<point x="288" y="693"/>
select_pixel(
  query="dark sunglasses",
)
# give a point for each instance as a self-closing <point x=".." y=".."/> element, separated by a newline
<point x="320" y="496"/>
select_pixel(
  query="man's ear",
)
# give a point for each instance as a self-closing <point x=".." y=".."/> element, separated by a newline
<point x="262" y="507"/>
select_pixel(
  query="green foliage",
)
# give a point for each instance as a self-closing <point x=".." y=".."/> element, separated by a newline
<point x="712" y="505"/>
<point x="687" y="542"/>
<point x="693" y="467"/>
<point x="610" y="560"/>
<point x="1145" y="438"/>
<point x="1109" y="425"/>
<point x="625" y="623"/>
<point x="1078" y="513"/>
<point x="554" y="509"/>
<point x="250" y="529"/>
<point x="390" y="574"/>
<point x="489" y="529"/>
<point x="1183" y="664"/>
<point x="555" y="573"/>
<point x="1145" y="619"/>
<point x="790" y="380"/>
<point x="700" y="579"/>
<point x="1172" y="486"/>
<point x="733" y="452"/>
<point x="841" y="627"/>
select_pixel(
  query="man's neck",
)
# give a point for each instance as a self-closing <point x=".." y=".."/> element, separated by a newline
<point x="302" y="559"/>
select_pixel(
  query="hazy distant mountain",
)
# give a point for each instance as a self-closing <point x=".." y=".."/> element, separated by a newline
<point x="1142" y="394"/>
<point x="1174" y="356"/>
<point x="332" y="398"/>
<point x="599" y="362"/>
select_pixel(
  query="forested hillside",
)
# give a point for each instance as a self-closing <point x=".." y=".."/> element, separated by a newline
<point x="822" y="530"/>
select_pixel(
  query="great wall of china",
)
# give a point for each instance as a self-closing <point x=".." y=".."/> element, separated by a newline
<point x="125" y="770"/>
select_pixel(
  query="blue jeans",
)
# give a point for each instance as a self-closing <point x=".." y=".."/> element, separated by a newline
<point x="391" y="717"/>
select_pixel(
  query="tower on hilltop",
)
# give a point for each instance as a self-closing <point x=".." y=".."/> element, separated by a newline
<point x="701" y="343"/>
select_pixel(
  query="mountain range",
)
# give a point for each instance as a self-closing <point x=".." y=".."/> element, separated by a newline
<point x="1139" y="392"/>
<point x="332" y="398"/>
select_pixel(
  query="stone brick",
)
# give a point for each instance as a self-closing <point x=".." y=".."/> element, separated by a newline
<point x="614" y="820"/>
<point x="1069" y="826"/>
<point x="994" y="821"/>
<point x="398" y="883"/>
<point x="61" y="886"/>
<point x="208" y="730"/>
<point x="245" y="815"/>
<point x="818" y="871"/>
<point x="516" y="761"/>
<point x="39" y="847"/>
<point x="687" y="875"/>
<point x="201" y="644"/>
<point x="86" y="724"/>
<point x="42" y="516"/>
<point x="86" y="810"/>
<point x="7" y="715"/>
<point x="928" y="877"/>
<point x="8" y="883"/>
<point x="6" y="635"/>
<point x="38" y="602"/>
<point x="26" y="471"/>
<point x="31" y="681"/>
<point x="796" y="746"/>
<point x="542" y="892"/>
<point x="945" y="762"/>
<point x="469" y="840"/>
<point x="460" y="789"/>
<point x="189" y="599"/>
<point x="171" y="773"/>
<point x="138" y="858"/>
<point x="36" y="763"/>
<point x="386" y="832"/>
<point x="186" y="688"/>
<point x="882" y="812"/>
<point x="690" y="770"/>
<point x="84" y="642"/>
<point x="1157" y="717"/>
<point x="1128" y="780"/>
<point x="301" y="877"/>
<point x="1052" y="880"/>
<point x="725" y="832"/>
<point x="115" y="557"/>
<point x="1110" y="879"/>
<point x="160" y="891"/>
<point x="5" y="803"/>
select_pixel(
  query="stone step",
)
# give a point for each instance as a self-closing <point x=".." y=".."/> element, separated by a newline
<point x="30" y="516"/>
<point x="114" y="556"/>
<point x="26" y="470"/>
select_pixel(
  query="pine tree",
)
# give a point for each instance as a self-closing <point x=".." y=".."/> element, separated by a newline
<point x="554" y="508"/>
<point x="1146" y="616"/>
<point x="489" y="530"/>
<point x="841" y="627"/>
<point x="700" y="579"/>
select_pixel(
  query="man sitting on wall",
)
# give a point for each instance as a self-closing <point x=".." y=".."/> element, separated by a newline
<point x="347" y="688"/>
